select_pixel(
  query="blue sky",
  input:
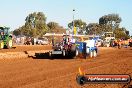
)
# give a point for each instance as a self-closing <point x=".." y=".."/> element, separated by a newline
<point x="13" y="12"/>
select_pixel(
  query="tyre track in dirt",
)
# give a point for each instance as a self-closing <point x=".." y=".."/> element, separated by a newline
<point x="101" y="86"/>
<point x="69" y="63"/>
<point x="71" y="75"/>
<point x="50" y="61"/>
<point x="95" y="67"/>
<point x="21" y="48"/>
<point x="38" y="75"/>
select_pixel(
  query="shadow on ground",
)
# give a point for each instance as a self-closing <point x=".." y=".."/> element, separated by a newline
<point x="46" y="56"/>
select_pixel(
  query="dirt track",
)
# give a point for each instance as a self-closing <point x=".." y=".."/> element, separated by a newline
<point x="61" y="73"/>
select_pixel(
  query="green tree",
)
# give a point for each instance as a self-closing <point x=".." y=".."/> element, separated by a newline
<point x="16" y="32"/>
<point x="35" y="25"/>
<point x="93" y="28"/>
<point x="55" y="28"/>
<point x="120" y="33"/>
<point x="109" y="22"/>
<point x="52" y="26"/>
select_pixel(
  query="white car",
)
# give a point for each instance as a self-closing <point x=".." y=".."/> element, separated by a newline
<point x="42" y="41"/>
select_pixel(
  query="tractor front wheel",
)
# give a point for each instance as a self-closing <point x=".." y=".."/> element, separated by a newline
<point x="1" y="45"/>
<point x="94" y="53"/>
<point x="91" y="54"/>
<point x="9" y="44"/>
<point x="64" y="53"/>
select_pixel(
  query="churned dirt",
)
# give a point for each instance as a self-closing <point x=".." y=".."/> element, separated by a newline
<point x="21" y="48"/>
<point x="19" y="71"/>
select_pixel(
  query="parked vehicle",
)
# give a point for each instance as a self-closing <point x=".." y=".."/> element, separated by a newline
<point x="99" y="43"/>
<point x="28" y="41"/>
<point x="130" y="42"/>
<point x="42" y="41"/>
<point x="5" y="38"/>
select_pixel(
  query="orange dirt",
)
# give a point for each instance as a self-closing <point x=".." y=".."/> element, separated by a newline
<point x="61" y="73"/>
<point x="21" y="48"/>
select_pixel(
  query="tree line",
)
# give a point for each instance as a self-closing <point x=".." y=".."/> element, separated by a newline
<point x="106" y="23"/>
<point x="35" y="26"/>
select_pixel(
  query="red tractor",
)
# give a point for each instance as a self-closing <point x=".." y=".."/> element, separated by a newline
<point x="66" y="47"/>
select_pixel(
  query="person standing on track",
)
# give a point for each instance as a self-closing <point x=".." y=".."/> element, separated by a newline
<point x="119" y="44"/>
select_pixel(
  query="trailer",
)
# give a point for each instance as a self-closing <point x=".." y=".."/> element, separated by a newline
<point x="87" y="48"/>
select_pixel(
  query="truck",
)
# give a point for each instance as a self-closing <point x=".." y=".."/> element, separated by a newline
<point x="109" y="36"/>
<point x="5" y="38"/>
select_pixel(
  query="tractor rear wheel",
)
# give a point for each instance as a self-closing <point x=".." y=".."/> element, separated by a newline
<point x="9" y="44"/>
<point x="1" y="45"/>
<point x="73" y="48"/>
<point x="73" y="54"/>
